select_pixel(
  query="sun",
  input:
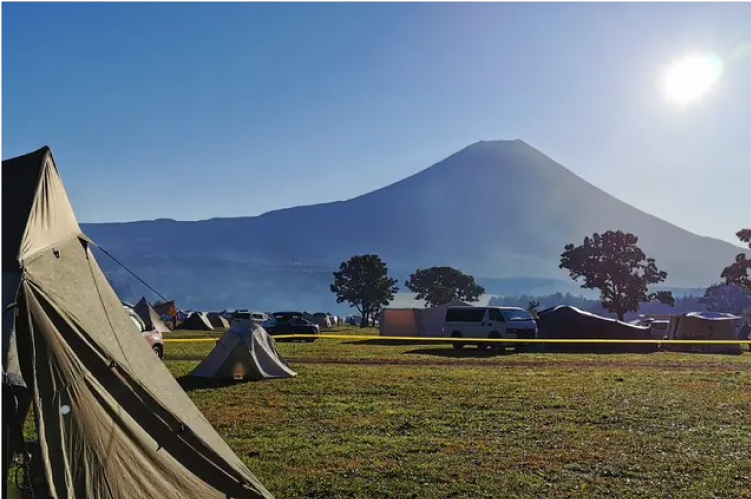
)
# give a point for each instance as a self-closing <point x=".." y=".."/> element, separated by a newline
<point x="690" y="78"/>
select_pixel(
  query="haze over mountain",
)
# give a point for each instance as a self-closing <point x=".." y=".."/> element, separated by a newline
<point x="496" y="209"/>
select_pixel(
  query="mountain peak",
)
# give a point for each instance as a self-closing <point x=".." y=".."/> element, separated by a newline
<point x="498" y="144"/>
<point x="497" y="208"/>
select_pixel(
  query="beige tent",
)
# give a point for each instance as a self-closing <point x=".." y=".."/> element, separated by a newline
<point x="112" y="422"/>
<point x="149" y="317"/>
<point x="399" y="322"/>
<point x="696" y="326"/>
<point x="217" y="321"/>
<point x="197" y="321"/>
<point x="415" y="321"/>
<point x="246" y="351"/>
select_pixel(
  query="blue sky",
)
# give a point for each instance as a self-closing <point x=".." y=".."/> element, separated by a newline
<point x="190" y="111"/>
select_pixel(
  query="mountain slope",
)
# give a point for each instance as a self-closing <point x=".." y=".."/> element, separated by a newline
<point x="497" y="209"/>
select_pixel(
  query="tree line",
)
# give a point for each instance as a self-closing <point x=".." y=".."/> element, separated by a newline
<point x="364" y="283"/>
<point x="718" y="297"/>
<point x="611" y="263"/>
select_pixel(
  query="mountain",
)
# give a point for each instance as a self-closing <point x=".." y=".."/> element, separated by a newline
<point x="500" y="210"/>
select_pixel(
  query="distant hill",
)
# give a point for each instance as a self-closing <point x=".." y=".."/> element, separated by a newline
<point x="500" y="210"/>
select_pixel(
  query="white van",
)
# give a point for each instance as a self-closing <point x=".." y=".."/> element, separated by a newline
<point x="489" y="322"/>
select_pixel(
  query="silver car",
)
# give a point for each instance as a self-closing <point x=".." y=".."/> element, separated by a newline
<point x="153" y="337"/>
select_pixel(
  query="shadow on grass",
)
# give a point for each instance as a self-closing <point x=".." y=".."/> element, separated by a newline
<point x="464" y="353"/>
<point x="191" y="383"/>
<point x="187" y="356"/>
<point x="472" y="352"/>
<point x="393" y="342"/>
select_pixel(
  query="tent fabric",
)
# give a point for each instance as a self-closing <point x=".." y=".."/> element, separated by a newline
<point x="415" y="321"/>
<point x="698" y="326"/>
<point x="30" y="223"/>
<point x="166" y="308"/>
<point x="246" y="352"/>
<point x="197" y="321"/>
<point x="217" y="321"/>
<point x="112" y="420"/>
<point x="399" y="322"/>
<point x="564" y="322"/>
<point x="149" y="316"/>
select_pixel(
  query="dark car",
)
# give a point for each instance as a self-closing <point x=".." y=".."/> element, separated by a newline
<point x="295" y="325"/>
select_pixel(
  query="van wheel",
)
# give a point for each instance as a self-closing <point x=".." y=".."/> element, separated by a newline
<point x="159" y="351"/>
<point x="458" y="345"/>
<point x="495" y="335"/>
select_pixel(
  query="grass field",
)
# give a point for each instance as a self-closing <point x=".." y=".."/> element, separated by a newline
<point x="424" y="421"/>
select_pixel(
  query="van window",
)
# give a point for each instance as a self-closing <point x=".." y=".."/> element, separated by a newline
<point x="516" y="315"/>
<point x="495" y="315"/>
<point x="473" y="314"/>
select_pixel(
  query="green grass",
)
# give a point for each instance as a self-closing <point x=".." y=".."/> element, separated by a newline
<point x="375" y="421"/>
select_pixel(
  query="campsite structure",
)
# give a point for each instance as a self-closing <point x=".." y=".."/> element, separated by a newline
<point x="704" y="326"/>
<point x="150" y="317"/>
<point x="112" y="422"/>
<point x="415" y="321"/>
<point x="566" y="322"/>
<point x="217" y="321"/>
<point x="196" y="321"/>
<point x="247" y="352"/>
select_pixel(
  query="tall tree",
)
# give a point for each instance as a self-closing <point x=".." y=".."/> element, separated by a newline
<point x="613" y="264"/>
<point x="363" y="282"/>
<point x="727" y="298"/>
<point x="439" y="285"/>
<point x="739" y="272"/>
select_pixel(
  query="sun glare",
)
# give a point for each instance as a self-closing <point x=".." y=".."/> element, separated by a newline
<point x="687" y="80"/>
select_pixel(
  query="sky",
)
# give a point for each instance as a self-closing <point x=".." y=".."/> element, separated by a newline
<point x="197" y="110"/>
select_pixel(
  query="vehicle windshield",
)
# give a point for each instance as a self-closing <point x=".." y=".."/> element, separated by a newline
<point x="516" y="315"/>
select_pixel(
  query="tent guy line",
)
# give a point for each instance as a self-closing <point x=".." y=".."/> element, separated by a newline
<point x="216" y="340"/>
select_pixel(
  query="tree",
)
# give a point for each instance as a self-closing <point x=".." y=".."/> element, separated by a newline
<point x="439" y="285"/>
<point x="726" y="298"/>
<point x="739" y="272"/>
<point x="612" y="263"/>
<point x="363" y="282"/>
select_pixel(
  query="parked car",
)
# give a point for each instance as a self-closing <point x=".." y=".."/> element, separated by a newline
<point x="491" y="323"/>
<point x="295" y="325"/>
<point x="153" y="337"/>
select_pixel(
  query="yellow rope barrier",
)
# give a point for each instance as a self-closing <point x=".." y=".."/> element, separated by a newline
<point x="368" y="337"/>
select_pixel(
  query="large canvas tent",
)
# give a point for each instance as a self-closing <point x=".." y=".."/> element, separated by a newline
<point x="197" y="321"/>
<point x="112" y="421"/>
<point x="415" y="321"/>
<point x="704" y="326"/>
<point x="399" y="322"/>
<point x="149" y="316"/>
<point x="245" y="351"/>
<point x="565" y="322"/>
